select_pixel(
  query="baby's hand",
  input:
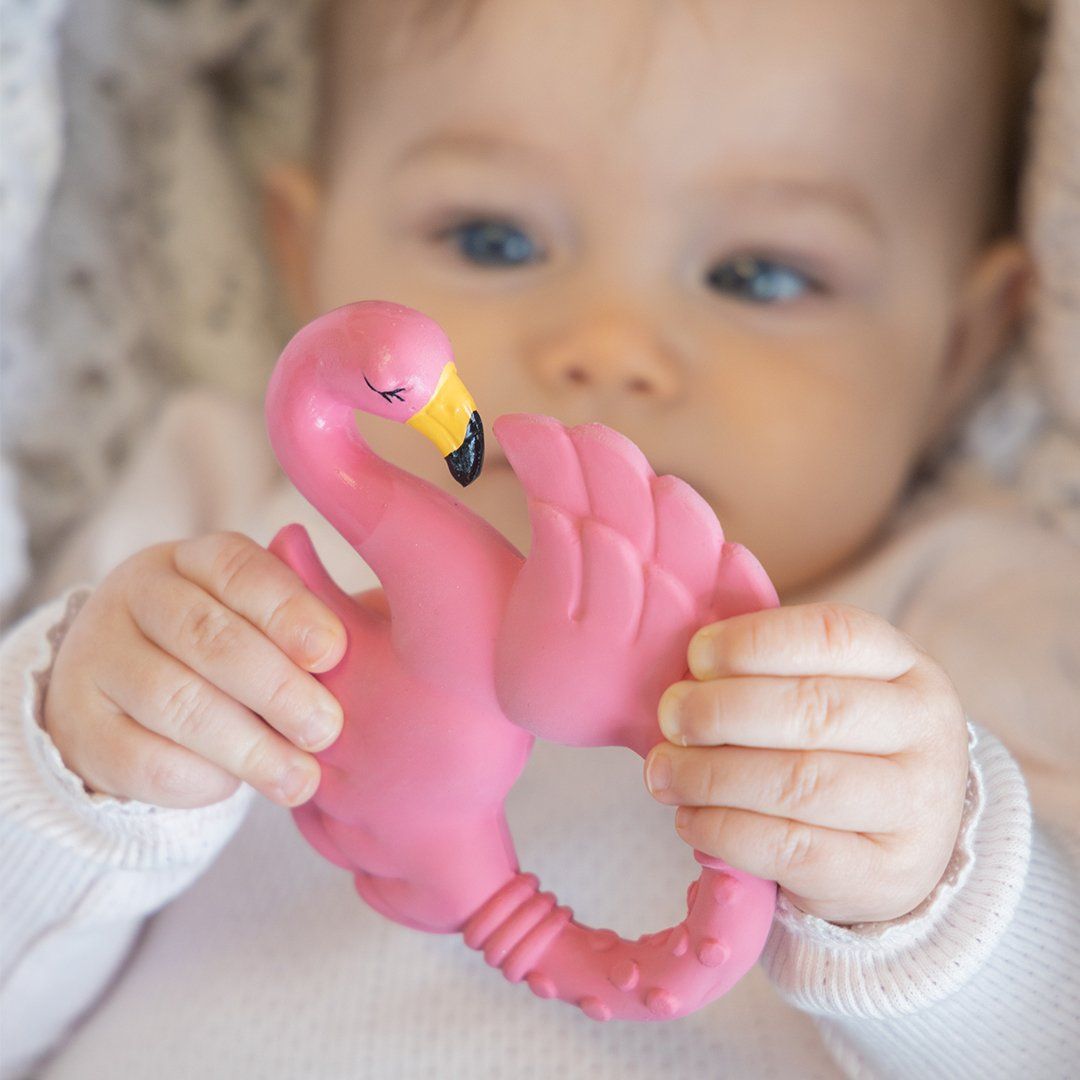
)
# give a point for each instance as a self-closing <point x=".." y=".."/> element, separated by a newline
<point x="182" y="668"/>
<point x="822" y="749"/>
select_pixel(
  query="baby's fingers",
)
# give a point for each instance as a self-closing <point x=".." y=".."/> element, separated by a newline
<point x="860" y="792"/>
<point x="807" y="712"/>
<point x="231" y="654"/>
<point x="250" y="580"/>
<point x="803" y="639"/>
<point x="162" y="695"/>
<point x="129" y="762"/>
<point x="112" y="753"/>
<point x="830" y="870"/>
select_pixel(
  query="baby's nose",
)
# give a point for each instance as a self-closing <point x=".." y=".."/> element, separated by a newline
<point x="609" y="356"/>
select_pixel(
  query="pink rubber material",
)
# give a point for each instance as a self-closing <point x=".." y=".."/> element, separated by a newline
<point x="483" y="650"/>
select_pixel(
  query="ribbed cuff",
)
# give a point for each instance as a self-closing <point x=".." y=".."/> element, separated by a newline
<point x="882" y="969"/>
<point x="41" y="794"/>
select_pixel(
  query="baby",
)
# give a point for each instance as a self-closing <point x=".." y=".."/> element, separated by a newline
<point x="783" y="297"/>
<point x="772" y="243"/>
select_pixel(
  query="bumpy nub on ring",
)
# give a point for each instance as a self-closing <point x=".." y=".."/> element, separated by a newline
<point x="660" y="976"/>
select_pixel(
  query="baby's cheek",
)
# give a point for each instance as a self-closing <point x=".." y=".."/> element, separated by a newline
<point x="820" y="485"/>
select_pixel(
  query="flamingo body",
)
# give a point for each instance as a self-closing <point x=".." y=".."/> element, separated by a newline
<point x="484" y="649"/>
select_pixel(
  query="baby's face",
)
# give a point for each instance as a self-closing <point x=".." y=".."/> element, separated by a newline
<point x="742" y="233"/>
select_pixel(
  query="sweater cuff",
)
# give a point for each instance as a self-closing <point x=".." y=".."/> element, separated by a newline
<point x="40" y="793"/>
<point x="883" y="969"/>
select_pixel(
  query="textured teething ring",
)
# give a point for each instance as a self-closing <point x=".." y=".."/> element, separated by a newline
<point x="657" y="977"/>
<point x="476" y="651"/>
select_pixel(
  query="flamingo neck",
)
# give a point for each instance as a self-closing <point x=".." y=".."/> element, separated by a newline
<point x="414" y="536"/>
<point x="315" y="439"/>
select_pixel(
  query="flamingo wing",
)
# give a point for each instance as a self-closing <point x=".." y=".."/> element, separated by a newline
<point x="624" y="567"/>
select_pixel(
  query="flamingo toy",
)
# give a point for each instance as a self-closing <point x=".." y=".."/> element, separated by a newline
<point x="482" y="650"/>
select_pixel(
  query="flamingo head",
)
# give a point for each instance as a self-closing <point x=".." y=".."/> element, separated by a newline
<point x="394" y="362"/>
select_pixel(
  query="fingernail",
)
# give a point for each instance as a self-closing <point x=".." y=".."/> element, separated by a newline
<point x="682" y="818"/>
<point x="319" y="641"/>
<point x="700" y="656"/>
<point x="670" y="712"/>
<point x="321" y="730"/>
<point x="658" y="774"/>
<point x="298" y="785"/>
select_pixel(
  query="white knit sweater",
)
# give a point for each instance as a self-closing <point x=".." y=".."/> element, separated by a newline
<point x="148" y="942"/>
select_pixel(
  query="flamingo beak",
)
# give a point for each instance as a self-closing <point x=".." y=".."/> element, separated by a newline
<point x="451" y="422"/>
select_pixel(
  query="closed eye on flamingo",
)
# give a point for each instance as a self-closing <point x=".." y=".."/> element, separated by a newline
<point x="483" y="650"/>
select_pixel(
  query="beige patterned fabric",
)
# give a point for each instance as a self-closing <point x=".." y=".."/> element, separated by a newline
<point x="132" y="256"/>
<point x="131" y="253"/>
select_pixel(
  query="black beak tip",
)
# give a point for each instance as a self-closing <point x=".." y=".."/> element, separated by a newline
<point x="467" y="460"/>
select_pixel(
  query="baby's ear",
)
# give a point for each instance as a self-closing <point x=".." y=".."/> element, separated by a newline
<point x="992" y="305"/>
<point x="291" y="202"/>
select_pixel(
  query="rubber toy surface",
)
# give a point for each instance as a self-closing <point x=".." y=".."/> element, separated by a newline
<point x="483" y="649"/>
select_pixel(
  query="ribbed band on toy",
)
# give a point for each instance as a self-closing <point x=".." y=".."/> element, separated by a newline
<point x="660" y="976"/>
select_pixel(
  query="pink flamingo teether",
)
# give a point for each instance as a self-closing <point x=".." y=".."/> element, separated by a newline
<point x="483" y="649"/>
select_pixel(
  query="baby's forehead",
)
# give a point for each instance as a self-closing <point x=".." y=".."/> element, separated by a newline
<point x="917" y="85"/>
<point x="361" y="38"/>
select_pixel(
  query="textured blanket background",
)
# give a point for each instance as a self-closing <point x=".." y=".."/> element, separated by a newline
<point x="131" y="256"/>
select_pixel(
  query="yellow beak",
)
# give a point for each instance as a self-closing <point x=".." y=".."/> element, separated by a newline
<point x="451" y="422"/>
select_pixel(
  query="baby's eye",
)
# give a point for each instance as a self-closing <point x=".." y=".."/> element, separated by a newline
<point x="760" y="281"/>
<point x="490" y="242"/>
